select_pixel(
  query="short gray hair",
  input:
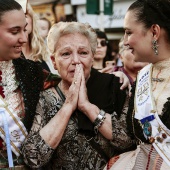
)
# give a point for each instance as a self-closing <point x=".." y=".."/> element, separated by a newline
<point x="63" y="28"/>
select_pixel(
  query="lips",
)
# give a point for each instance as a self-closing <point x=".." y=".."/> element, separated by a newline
<point x="130" y="49"/>
<point x="72" y="71"/>
<point x="18" y="48"/>
<point x="98" y="52"/>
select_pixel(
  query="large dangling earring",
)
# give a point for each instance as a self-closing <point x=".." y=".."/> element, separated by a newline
<point x="155" y="46"/>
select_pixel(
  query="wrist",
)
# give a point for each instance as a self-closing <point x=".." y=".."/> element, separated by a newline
<point x="99" y="120"/>
<point x="86" y="108"/>
<point x="68" y="107"/>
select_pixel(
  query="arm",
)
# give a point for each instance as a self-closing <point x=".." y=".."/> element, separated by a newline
<point x="92" y="111"/>
<point x="123" y="79"/>
<point x="36" y="152"/>
<point x="108" y="128"/>
<point x="47" y="134"/>
<point x="121" y="140"/>
<point x="52" y="133"/>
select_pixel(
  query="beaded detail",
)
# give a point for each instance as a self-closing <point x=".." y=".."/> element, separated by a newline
<point x="30" y="77"/>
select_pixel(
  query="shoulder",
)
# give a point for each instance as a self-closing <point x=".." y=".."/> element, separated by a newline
<point x="33" y="66"/>
<point x="49" y="103"/>
<point x="29" y="71"/>
<point x="103" y="81"/>
<point x="103" y="77"/>
<point x="50" y="97"/>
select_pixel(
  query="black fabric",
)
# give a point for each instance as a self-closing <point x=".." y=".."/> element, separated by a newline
<point x="45" y="66"/>
<point x="30" y="77"/>
<point x="43" y="63"/>
<point x="104" y="91"/>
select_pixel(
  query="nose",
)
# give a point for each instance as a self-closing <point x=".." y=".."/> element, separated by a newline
<point x="125" y="41"/>
<point x="23" y="37"/>
<point x="98" y="44"/>
<point x="76" y="59"/>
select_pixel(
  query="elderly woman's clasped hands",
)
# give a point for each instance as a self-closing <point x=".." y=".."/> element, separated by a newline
<point x="77" y="94"/>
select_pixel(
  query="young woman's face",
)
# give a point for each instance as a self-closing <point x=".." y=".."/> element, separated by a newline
<point x="101" y="49"/>
<point x="138" y="38"/>
<point x="12" y="34"/>
<point x="70" y="50"/>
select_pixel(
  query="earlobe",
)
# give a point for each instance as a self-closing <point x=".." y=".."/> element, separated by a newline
<point x="53" y="61"/>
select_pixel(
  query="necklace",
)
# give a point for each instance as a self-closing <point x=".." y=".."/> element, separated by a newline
<point x="157" y="79"/>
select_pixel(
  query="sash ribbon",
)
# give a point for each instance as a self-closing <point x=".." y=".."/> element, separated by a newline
<point x="12" y="130"/>
<point x="146" y="112"/>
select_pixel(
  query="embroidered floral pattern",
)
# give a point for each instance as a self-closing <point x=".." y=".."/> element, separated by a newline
<point x="10" y="85"/>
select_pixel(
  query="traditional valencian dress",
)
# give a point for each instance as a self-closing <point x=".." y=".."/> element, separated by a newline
<point x="20" y="84"/>
<point x="148" y="121"/>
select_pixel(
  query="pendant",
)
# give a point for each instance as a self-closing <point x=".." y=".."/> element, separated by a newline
<point x="158" y="79"/>
<point x="147" y="128"/>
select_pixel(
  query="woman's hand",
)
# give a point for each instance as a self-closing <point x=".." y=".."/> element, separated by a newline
<point x="107" y="69"/>
<point x="83" y="101"/>
<point x="73" y="92"/>
<point x="123" y="79"/>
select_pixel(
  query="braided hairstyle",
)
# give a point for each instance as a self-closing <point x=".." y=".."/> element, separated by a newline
<point x="8" y="5"/>
<point x="151" y="12"/>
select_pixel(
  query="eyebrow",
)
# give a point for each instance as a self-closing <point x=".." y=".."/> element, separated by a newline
<point x="18" y="27"/>
<point x="126" y="28"/>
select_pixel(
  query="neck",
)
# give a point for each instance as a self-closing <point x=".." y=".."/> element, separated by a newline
<point x="26" y="49"/>
<point x="98" y="64"/>
<point x="64" y="87"/>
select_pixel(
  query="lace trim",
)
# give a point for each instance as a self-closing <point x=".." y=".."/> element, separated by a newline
<point x="10" y="85"/>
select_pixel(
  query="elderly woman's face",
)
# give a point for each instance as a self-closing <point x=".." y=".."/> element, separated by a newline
<point x="70" y="50"/>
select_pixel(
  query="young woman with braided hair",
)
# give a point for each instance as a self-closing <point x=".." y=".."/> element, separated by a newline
<point x="147" y="35"/>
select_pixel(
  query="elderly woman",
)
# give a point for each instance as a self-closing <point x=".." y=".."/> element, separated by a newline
<point x="77" y="123"/>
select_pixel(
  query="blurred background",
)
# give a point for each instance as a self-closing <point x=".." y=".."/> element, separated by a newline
<point x="105" y="15"/>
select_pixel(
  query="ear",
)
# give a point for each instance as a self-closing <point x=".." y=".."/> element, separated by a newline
<point x="120" y="57"/>
<point x="53" y="61"/>
<point x="155" y="31"/>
